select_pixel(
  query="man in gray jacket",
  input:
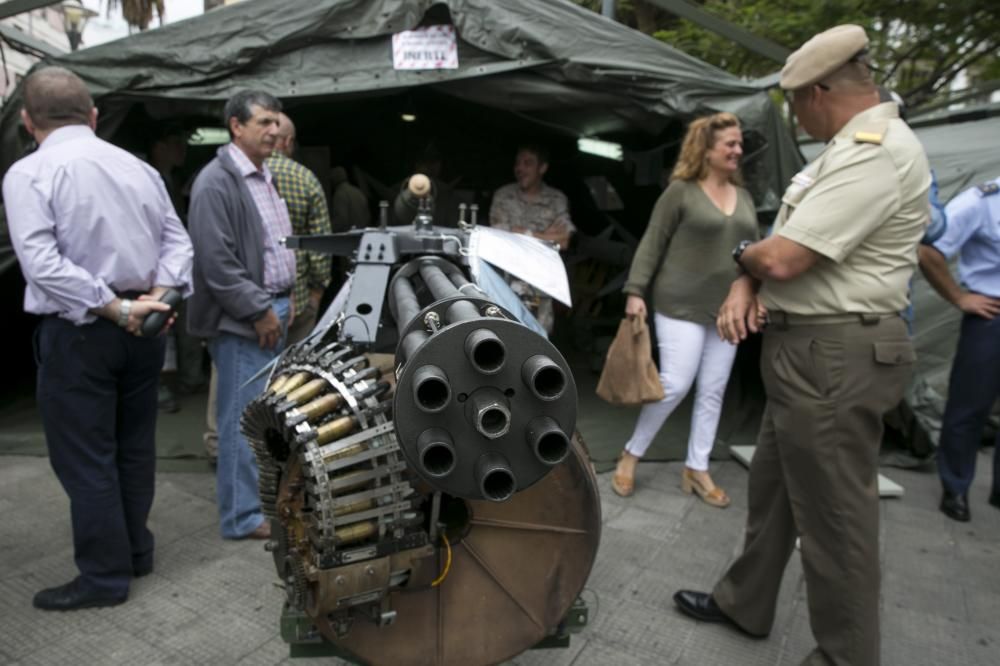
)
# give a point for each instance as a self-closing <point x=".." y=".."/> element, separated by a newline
<point x="243" y="279"/>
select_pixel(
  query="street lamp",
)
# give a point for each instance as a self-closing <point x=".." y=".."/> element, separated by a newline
<point x="75" y="17"/>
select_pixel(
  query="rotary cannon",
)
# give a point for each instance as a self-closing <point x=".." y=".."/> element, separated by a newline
<point x="431" y="506"/>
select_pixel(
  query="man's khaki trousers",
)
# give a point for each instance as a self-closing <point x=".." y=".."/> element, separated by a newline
<point x="815" y="475"/>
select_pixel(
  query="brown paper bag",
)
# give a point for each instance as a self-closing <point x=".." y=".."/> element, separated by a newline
<point x="629" y="376"/>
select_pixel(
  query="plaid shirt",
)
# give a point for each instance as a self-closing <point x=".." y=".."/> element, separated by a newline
<point x="279" y="263"/>
<point x="307" y="209"/>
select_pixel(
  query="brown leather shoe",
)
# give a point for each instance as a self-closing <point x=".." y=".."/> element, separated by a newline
<point x="713" y="495"/>
<point x="262" y="532"/>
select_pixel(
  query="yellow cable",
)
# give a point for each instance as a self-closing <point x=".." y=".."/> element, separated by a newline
<point x="447" y="563"/>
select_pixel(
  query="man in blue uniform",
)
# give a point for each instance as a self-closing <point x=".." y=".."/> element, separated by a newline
<point x="973" y="232"/>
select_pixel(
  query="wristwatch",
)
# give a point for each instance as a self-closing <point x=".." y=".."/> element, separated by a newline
<point x="123" y="312"/>
<point x="739" y="250"/>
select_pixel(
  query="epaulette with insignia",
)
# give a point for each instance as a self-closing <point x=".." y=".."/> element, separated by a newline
<point x="868" y="137"/>
<point x="988" y="188"/>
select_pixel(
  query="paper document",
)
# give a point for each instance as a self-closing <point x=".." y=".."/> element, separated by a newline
<point x="536" y="262"/>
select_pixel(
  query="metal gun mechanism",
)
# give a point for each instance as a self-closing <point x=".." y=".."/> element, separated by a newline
<point x="431" y="506"/>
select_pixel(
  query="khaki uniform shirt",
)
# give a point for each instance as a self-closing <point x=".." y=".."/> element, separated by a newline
<point x="862" y="205"/>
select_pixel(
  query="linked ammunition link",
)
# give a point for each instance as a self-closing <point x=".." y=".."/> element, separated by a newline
<point x="349" y="499"/>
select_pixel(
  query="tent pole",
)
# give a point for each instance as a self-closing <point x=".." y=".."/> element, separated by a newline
<point x="608" y="9"/>
<point x="720" y="26"/>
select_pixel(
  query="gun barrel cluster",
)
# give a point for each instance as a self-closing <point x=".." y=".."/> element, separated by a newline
<point x="484" y="407"/>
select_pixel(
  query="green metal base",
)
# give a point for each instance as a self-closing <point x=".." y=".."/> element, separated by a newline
<point x="298" y="630"/>
<point x="303" y="639"/>
<point x="573" y="623"/>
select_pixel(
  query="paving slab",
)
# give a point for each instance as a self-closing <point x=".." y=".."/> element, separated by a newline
<point x="216" y="602"/>
<point x="886" y="486"/>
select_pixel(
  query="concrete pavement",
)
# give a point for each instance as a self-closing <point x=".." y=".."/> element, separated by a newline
<point x="216" y="602"/>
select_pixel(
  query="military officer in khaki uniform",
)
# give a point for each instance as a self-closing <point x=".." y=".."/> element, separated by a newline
<point x="832" y="279"/>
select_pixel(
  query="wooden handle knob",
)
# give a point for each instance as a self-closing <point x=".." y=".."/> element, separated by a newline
<point x="419" y="185"/>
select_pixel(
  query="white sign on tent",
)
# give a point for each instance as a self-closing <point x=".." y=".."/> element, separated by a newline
<point x="433" y="47"/>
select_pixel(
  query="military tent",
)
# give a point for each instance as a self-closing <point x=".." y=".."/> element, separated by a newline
<point x="547" y="70"/>
<point x="549" y="63"/>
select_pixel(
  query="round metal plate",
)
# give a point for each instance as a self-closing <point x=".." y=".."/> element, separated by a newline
<point x="513" y="578"/>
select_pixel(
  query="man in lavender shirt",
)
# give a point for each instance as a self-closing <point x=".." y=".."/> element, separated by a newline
<point x="243" y="279"/>
<point x="98" y="241"/>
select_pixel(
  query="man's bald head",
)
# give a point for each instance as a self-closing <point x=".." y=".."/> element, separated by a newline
<point x="285" y="142"/>
<point x="55" y="97"/>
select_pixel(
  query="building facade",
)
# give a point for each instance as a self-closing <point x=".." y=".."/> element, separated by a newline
<point x="22" y="37"/>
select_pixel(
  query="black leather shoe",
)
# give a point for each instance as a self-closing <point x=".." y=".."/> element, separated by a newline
<point x="701" y="606"/>
<point x="955" y="507"/>
<point x="72" y="596"/>
<point x="995" y="498"/>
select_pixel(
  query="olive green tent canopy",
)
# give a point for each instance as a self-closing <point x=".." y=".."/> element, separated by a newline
<point x="549" y="61"/>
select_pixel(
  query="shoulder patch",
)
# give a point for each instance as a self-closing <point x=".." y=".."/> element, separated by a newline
<point x="868" y="137"/>
<point x="988" y="188"/>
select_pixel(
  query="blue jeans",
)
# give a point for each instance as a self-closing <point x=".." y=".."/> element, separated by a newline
<point x="974" y="385"/>
<point x="237" y="359"/>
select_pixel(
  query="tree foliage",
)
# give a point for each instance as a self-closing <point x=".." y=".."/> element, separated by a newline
<point x="919" y="46"/>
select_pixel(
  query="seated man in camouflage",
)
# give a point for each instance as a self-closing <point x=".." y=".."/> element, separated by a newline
<point x="529" y="206"/>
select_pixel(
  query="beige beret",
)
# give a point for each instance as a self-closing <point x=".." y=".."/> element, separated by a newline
<point x="822" y="55"/>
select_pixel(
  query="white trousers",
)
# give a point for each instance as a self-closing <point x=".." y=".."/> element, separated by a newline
<point x="687" y="351"/>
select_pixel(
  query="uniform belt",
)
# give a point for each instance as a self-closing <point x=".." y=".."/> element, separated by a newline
<point x="281" y="294"/>
<point x="131" y="294"/>
<point x="782" y="319"/>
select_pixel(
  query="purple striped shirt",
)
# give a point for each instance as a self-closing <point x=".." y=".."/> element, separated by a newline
<point x="279" y="263"/>
<point x="87" y="220"/>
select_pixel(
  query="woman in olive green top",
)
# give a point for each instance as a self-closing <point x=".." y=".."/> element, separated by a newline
<point x="686" y="257"/>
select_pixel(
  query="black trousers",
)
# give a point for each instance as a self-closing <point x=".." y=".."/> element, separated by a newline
<point x="97" y="396"/>
<point x="973" y="388"/>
